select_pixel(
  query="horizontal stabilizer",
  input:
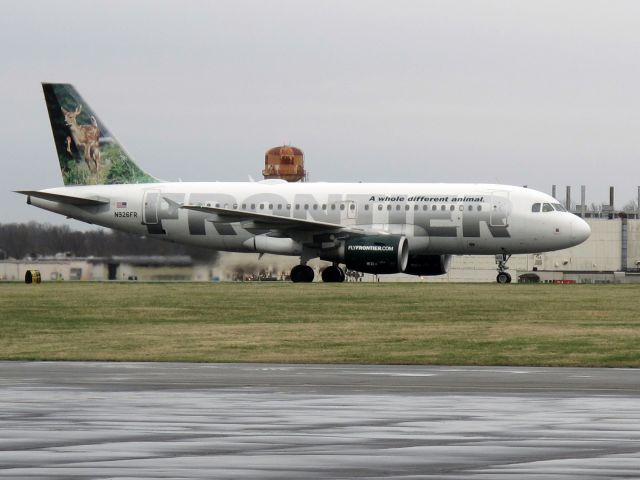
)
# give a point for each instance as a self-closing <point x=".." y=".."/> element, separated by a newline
<point x="68" y="199"/>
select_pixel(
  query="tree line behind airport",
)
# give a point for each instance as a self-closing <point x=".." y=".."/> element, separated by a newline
<point x="20" y="240"/>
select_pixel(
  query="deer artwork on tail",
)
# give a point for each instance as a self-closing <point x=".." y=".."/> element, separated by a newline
<point x="85" y="136"/>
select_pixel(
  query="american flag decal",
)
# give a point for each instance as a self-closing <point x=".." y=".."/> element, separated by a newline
<point x="121" y="204"/>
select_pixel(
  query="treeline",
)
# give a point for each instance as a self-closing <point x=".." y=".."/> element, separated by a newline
<point x="18" y="240"/>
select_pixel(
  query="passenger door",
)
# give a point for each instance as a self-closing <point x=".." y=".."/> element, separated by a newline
<point x="150" y="203"/>
<point x="500" y="209"/>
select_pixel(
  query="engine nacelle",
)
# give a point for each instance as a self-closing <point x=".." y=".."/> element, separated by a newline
<point x="428" y="264"/>
<point x="375" y="253"/>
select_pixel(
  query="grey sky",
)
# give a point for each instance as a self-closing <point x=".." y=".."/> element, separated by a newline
<point x="518" y="92"/>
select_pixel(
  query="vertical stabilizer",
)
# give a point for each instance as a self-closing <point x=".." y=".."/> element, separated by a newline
<point x="88" y="153"/>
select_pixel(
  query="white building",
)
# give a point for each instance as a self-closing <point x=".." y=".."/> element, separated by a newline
<point x="124" y="268"/>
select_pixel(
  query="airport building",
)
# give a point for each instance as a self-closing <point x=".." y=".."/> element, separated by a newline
<point x="63" y="267"/>
<point x="611" y="254"/>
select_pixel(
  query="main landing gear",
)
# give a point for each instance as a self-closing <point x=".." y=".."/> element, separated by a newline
<point x="333" y="274"/>
<point x="304" y="273"/>
<point x="503" y="276"/>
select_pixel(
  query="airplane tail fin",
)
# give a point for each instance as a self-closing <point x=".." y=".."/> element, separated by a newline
<point x="88" y="153"/>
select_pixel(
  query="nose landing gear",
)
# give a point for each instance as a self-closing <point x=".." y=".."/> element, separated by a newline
<point x="503" y="276"/>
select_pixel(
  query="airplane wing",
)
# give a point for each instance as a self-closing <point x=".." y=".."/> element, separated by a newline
<point x="68" y="199"/>
<point x="232" y="216"/>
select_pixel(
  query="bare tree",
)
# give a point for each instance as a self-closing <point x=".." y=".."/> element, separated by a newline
<point x="631" y="206"/>
<point x="21" y="239"/>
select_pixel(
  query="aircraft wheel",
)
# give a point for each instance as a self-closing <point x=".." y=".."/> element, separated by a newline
<point x="503" y="277"/>
<point x="333" y="274"/>
<point x="302" y="273"/>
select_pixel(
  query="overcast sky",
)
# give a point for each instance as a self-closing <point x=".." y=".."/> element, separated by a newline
<point x="516" y="92"/>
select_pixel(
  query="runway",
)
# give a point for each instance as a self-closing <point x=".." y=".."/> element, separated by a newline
<point x="156" y="420"/>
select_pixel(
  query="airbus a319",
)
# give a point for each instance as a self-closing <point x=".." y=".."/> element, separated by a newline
<point x="380" y="228"/>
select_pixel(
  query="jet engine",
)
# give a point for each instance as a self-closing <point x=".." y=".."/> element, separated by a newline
<point x="372" y="253"/>
<point x="428" y="264"/>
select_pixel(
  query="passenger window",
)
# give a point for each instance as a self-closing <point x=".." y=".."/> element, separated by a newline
<point x="397" y="207"/>
<point x="288" y="206"/>
<point x="366" y="207"/>
<point x="271" y="206"/>
<point x="388" y="207"/>
<point x="546" y="207"/>
<point x="443" y="208"/>
<point x="535" y="208"/>
<point x="333" y="206"/>
<point x="470" y="208"/>
<point x="324" y="206"/>
<point x="461" y="207"/>
<point x="352" y="206"/>
<point x="415" y="207"/>
<point x="306" y="206"/>
<point x="379" y="207"/>
<point x="297" y="206"/>
<point x="342" y="206"/>
<point x="262" y="206"/>
<point x="434" y="207"/>
<point x="479" y="208"/>
<point x="253" y="206"/>
<point x="452" y="208"/>
<point x="244" y="206"/>
<point x="315" y="206"/>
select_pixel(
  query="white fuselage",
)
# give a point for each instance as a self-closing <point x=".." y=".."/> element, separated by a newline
<point x="435" y="218"/>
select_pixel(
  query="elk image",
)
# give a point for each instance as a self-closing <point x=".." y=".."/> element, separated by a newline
<point x="85" y="136"/>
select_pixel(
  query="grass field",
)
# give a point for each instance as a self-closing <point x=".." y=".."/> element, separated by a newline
<point x="453" y="324"/>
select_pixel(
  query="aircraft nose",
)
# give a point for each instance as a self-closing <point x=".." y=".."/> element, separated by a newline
<point x="580" y="230"/>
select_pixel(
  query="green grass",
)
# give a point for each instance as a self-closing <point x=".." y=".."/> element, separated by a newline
<point x="455" y="324"/>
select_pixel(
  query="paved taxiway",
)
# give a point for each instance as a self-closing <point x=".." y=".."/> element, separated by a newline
<point x="137" y="420"/>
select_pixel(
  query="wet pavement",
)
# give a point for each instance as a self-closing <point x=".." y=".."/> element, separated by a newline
<point x="156" y="420"/>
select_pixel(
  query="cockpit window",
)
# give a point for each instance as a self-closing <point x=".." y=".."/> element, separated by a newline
<point x="546" y="207"/>
<point x="535" y="207"/>
<point x="559" y="207"/>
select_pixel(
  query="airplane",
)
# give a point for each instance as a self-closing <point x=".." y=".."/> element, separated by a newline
<point x="378" y="228"/>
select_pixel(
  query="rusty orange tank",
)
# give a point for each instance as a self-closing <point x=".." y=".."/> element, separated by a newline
<point x="286" y="163"/>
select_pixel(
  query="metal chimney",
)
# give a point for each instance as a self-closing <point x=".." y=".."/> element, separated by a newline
<point x="611" y="195"/>
<point x="553" y="191"/>
<point x="568" y="199"/>
<point x="583" y="200"/>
